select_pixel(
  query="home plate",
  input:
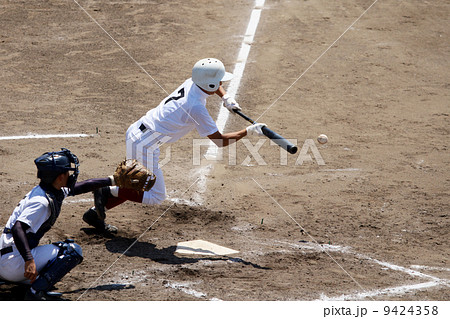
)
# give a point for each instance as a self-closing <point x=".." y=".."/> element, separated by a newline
<point x="202" y="247"/>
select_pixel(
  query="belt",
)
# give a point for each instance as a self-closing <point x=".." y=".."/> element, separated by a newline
<point x="6" y="250"/>
<point x="142" y="127"/>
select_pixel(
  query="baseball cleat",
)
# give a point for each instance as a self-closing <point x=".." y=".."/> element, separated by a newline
<point x="32" y="295"/>
<point x="91" y="218"/>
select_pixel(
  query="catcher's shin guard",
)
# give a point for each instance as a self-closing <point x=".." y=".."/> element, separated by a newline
<point x="69" y="256"/>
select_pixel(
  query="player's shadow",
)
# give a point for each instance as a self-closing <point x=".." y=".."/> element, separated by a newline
<point x="93" y="231"/>
<point x="14" y="291"/>
<point x="109" y="287"/>
<point x="125" y="246"/>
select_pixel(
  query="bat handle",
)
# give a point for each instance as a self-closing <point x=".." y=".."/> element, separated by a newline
<point x="244" y="116"/>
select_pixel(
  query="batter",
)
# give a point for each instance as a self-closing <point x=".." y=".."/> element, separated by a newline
<point x="181" y="112"/>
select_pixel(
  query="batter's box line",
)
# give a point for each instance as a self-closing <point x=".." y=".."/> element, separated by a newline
<point x="434" y="281"/>
<point x="382" y="292"/>
<point x="309" y="235"/>
<point x="349" y="250"/>
<point x="431" y="268"/>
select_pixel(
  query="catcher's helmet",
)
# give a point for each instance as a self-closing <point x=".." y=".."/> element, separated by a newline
<point x="52" y="164"/>
<point x="207" y="74"/>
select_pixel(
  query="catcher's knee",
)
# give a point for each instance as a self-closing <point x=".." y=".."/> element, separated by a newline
<point x="69" y="256"/>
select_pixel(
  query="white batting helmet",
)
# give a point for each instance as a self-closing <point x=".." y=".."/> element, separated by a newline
<point x="207" y="74"/>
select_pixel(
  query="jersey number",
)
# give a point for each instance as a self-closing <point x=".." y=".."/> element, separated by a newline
<point x="179" y="96"/>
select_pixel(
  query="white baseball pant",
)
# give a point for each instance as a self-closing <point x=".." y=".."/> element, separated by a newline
<point x="143" y="145"/>
<point x="12" y="265"/>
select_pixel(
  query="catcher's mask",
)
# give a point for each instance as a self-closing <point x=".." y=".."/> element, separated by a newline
<point x="52" y="164"/>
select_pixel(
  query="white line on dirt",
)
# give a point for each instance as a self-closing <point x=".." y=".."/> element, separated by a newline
<point x="37" y="136"/>
<point x="379" y="292"/>
<point x="341" y="170"/>
<point x="435" y="281"/>
<point x="232" y="89"/>
<point x="184" y="287"/>
<point x="238" y="69"/>
<point x="430" y="268"/>
<point x="413" y="273"/>
<point x="183" y="201"/>
<point x="76" y="201"/>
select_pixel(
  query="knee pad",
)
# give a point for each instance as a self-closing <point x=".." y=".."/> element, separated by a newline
<point x="69" y="256"/>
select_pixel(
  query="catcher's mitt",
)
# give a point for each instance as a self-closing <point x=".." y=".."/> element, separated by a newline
<point x="133" y="175"/>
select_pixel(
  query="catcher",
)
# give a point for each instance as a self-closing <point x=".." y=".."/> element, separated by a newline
<point x="22" y="259"/>
<point x="177" y="115"/>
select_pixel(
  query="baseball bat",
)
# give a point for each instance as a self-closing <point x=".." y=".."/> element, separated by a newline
<point x="277" y="138"/>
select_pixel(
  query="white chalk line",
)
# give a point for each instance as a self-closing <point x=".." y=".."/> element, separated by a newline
<point x="433" y="280"/>
<point x="351" y="169"/>
<point x="232" y="89"/>
<point x="212" y="152"/>
<point x="176" y="200"/>
<point x="380" y="292"/>
<point x="430" y="268"/>
<point x="185" y="287"/>
<point x="39" y="136"/>
<point x="76" y="201"/>
<point x="182" y="201"/>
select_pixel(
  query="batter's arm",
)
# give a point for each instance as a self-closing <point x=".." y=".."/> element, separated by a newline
<point x="221" y="91"/>
<point x="222" y="140"/>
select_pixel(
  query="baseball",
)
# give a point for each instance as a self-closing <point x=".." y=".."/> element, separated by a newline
<point x="322" y="139"/>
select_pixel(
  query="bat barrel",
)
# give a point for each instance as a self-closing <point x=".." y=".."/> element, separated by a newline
<point x="279" y="140"/>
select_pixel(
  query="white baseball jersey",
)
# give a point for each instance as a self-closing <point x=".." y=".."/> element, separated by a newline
<point x="177" y="115"/>
<point x="34" y="211"/>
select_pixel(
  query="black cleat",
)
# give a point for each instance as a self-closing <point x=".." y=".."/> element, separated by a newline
<point x="91" y="218"/>
<point x="101" y="196"/>
<point x="32" y="295"/>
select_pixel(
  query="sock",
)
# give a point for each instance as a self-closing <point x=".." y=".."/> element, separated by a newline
<point x="124" y="195"/>
<point x="132" y="195"/>
<point x="114" y="191"/>
<point x="113" y="202"/>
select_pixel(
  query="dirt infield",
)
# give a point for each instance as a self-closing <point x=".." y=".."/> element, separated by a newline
<point x="370" y="222"/>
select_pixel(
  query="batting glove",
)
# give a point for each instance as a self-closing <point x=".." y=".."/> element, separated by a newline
<point x="255" y="129"/>
<point x="230" y="103"/>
